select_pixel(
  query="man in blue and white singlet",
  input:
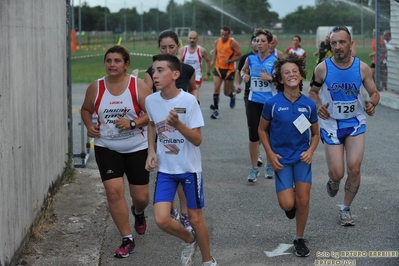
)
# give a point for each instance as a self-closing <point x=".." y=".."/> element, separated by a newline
<point x="337" y="90"/>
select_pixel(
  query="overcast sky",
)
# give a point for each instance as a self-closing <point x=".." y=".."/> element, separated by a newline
<point x="282" y="7"/>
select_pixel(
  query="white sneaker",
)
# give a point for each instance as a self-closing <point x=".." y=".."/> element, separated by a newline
<point x="210" y="263"/>
<point x="188" y="252"/>
<point x="346" y="218"/>
<point x="185" y="222"/>
<point x="253" y="174"/>
<point x="269" y="171"/>
<point x="260" y="162"/>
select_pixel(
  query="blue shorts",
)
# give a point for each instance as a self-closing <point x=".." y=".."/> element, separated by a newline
<point x="292" y="173"/>
<point x="166" y="186"/>
<point x="337" y="137"/>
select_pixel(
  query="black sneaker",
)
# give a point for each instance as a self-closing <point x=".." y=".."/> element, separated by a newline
<point x="291" y="214"/>
<point x="301" y="250"/>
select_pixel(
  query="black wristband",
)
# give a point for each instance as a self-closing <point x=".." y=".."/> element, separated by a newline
<point x="208" y="74"/>
<point x="373" y="104"/>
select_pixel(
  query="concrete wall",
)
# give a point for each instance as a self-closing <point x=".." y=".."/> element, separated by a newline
<point x="33" y="113"/>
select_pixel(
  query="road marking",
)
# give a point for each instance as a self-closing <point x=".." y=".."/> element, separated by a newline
<point x="280" y="250"/>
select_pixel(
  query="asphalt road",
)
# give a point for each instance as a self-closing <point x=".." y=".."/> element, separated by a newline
<point x="246" y="224"/>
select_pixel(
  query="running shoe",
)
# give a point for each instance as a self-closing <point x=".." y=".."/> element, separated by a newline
<point x="140" y="223"/>
<point x="215" y="114"/>
<point x="174" y="214"/>
<point x="233" y="101"/>
<point x="253" y="174"/>
<point x="210" y="263"/>
<point x="301" y="250"/>
<point x="291" y="214"/>
<point x="260" y="162"/>
<point x="269" y="171"/>
<point x="125" y="249"/>
<point x="188" y="252"/>
<point x="346" y="217"/>
<point x="185" y="222"/>
<point x="332" y="188"/>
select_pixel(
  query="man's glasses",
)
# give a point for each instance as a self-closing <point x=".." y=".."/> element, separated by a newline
<point x="338" y="28"/>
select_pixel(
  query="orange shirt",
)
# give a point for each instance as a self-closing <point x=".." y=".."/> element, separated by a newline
<point x="224" y="51"/>
<point x="374" y="48"/>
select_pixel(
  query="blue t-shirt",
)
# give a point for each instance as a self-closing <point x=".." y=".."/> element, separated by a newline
<point x="285" y="138"/>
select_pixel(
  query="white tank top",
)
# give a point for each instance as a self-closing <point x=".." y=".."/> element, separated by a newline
<point x="108" y="107"/>
<point x="276" y="52"/>
<point x="194" y="60"/>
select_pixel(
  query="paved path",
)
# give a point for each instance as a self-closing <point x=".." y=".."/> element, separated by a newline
<point x="246" y="225"/>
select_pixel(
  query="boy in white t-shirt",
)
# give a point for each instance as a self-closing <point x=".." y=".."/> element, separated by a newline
<point x="177" y="119"/>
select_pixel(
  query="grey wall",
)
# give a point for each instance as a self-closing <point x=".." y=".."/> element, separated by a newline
<point x="33" y="113"/>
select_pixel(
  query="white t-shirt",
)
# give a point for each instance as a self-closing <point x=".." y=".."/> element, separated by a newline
<point x="176" y="155"/>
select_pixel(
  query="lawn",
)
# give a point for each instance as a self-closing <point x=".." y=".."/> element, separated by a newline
<point x="87" y="62"/>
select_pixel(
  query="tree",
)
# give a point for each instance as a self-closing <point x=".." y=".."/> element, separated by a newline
<point x="327" y="13"/>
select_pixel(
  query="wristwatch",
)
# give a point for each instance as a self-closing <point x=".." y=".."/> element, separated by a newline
<point x="132" y="124"/>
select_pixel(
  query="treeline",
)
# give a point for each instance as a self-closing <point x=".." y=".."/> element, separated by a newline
<point x="241" y="15"/>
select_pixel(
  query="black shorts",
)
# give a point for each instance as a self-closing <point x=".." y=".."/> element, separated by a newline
<point x="226" y="74"/>
<point x="372" y="65"/>
<point x="254" y="112"/>
<point x="113" y="164"/>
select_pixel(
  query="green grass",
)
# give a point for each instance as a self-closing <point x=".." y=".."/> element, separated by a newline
<point x="87" y="62"/>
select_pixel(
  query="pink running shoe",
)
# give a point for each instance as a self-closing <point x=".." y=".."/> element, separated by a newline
<point x="125" y="249"/>
<point x="140" y="224"/>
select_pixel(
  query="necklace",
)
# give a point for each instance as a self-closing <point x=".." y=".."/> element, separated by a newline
<point x="293" y="96"/>
<point x="343" y="63"/>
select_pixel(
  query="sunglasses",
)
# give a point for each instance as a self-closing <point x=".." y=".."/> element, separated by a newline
<point x="338" y="28"/>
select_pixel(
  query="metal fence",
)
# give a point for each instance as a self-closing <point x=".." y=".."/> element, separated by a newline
<point x="387" y="27"/>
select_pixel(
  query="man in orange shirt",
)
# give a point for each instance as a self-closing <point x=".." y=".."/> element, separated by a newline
<point x="226" y="52"/>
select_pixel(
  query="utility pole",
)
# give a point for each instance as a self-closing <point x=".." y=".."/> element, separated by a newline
<point x="157" y="18"/>
<point x="221" y="17"/>
<point x="183" y="14"/>
<point x="80" y="25"/>
<point x="124" y="32"/>
<point x="105" y="26"/>
<point x="142" y="14"/>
